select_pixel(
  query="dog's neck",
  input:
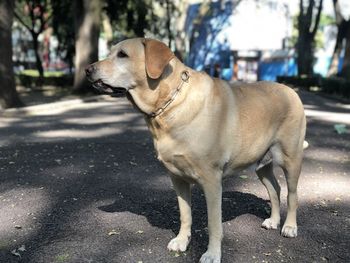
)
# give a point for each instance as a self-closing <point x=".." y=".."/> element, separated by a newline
<point x="152" y="96"/>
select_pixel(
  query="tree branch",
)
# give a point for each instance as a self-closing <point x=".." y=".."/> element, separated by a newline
<point x="308" y="16"/>
<point x="31" y="12"/>
<point x="318" y="17"/>
<point x="42" y="22"/>
<point x="338" y="15"/>
<point x="22" y="22"/>
<point x="301" y="16"/>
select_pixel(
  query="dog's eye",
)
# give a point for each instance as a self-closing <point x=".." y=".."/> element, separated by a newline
<point x="122" y="54"/>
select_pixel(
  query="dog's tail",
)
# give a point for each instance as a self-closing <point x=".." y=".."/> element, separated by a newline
<point x="305" y="144"/>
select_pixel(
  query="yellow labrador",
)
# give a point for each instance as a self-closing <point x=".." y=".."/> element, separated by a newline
<point x="204" y="130"/>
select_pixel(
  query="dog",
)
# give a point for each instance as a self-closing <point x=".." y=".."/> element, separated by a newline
<point x="204" y="130"/>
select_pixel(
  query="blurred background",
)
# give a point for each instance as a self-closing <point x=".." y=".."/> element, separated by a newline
<point x="46" y="44"/>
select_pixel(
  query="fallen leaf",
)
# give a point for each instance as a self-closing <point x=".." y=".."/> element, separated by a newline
<point x="340" y="128"/>
<point x="243" y="176"/>
<point x="139" y="232"/>
<point x="175" y="254"/>
<point x="267" y="254"/>
<point x="113" y="232"/>
<point x="18" y="227"/>
<point x="133" y="163"/>
<point x="15" y="253"/>
<point x="22" y="248"/>
<point x="323" y="203"/>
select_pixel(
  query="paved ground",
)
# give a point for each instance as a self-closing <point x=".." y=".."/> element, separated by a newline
<point x="82" y="184"/>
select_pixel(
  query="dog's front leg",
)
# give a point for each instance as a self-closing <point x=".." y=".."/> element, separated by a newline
<point x="213" y="194"/>
<point x="183" y="191"/>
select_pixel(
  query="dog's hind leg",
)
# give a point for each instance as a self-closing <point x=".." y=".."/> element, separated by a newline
<point x="183" y="191"/>
<point x="291" y="168"/>
<point x="267" y="177"/>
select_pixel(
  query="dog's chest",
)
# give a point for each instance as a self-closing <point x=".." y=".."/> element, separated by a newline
<point x="171" y="153"/>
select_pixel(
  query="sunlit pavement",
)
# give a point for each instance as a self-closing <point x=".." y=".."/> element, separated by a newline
<point x="80" y="183"/>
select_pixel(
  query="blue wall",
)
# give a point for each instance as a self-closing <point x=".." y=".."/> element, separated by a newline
<point x="205" y="48"/>
<point x="270" y="70"/>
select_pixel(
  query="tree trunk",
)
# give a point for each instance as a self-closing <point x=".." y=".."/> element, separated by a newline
<point x="305" y="57"/>
<point x="307" y="27"/>
<point x="87" y="30"/>
<point x="8" y="94"/>
<point x="345" y="71"/>
<point x="333" y="67"/>
<point x="38" y="62"/>
<point x="342" y="26"/>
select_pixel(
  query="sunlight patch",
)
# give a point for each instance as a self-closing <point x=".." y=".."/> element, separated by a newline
<point x="328" y="116"/>
<point x="76" y="133"/>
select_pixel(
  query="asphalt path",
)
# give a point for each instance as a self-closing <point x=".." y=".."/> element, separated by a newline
<point x="79" y="182"/>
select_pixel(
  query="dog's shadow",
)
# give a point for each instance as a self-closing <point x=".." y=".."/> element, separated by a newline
<point x="161" y="209"/>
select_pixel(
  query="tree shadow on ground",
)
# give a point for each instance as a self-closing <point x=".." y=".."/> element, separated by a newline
<point x="161" y="210"/>
<point x="165" y="215"/>
<point x="320" y="103"/>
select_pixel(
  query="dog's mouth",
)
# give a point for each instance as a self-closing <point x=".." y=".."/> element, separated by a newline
<point x="108" y="89"/>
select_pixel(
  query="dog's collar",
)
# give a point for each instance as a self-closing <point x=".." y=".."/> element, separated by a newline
<point x="185" y="75"/>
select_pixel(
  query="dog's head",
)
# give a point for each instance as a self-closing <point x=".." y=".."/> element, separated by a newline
<point x="131" y="64"/>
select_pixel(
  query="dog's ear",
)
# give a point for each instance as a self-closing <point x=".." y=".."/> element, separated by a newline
<point x="157" y="56"/>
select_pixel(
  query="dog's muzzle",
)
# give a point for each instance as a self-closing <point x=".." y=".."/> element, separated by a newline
<point x="102" y="87"/>
<point x="107" y="89"/>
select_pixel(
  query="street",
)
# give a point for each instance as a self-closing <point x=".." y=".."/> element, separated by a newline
<point x="81" y="183"/>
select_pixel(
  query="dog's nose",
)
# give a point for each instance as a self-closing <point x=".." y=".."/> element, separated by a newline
<point x="89" y="70"/>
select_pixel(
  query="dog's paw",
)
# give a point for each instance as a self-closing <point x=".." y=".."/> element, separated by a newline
<point x="209" y="257"/>
<point x="269" y="223"/>
<point x="178" y="244"/>
<point x="289" y="231"/>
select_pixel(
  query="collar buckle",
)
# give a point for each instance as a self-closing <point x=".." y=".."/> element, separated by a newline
<point x="185" y="75"/>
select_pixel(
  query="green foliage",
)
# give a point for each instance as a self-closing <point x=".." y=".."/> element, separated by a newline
<point x="35" y="15"/>
<point x="30" y="78"/>
<point x="163" y="17"/>
<point x="35" y="73"/>
<point x="130" y="18"/>
<point x="325" y="20"/>
<point x="62" y="258"/>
